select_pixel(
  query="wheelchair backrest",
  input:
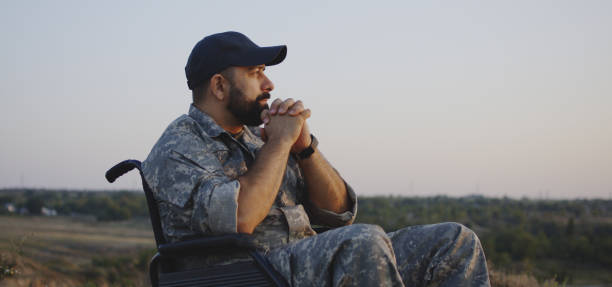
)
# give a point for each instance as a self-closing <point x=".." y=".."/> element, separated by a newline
<point x="122" y="168"/>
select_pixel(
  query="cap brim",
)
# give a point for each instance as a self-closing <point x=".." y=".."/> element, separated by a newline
<point x="268" y="56"/>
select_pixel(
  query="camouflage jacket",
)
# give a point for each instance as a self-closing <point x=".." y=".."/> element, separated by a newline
<point x="193" y="170"/>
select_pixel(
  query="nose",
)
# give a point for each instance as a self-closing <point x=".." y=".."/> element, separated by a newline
<point x="267" y="84"/>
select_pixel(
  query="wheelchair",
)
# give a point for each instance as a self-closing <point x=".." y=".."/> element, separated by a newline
<point x="257" y="272"/>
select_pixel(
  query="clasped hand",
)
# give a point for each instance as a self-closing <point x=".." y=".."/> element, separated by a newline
<point x="286" y="121"/>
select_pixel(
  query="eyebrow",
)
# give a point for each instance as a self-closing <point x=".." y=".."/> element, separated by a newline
<point x="262" y="67"/>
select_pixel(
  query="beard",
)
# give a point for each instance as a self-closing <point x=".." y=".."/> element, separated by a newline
<point x="247" y="112"/>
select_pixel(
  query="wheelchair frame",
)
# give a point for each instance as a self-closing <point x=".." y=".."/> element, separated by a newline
<point x="259" y="272"/>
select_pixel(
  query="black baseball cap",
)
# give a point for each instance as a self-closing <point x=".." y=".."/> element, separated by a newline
<point x="219" y="51"/>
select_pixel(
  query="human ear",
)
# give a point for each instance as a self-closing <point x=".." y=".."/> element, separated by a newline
<point x="218" y="87"/>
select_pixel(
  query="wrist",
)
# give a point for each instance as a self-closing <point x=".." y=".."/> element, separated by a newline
<point x="281" y="142"/>
<point x="306" y="152"/>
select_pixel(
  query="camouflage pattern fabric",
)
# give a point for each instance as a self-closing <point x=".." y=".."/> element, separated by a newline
<point x="193" y="170"/>
<point x="445" y="254"/>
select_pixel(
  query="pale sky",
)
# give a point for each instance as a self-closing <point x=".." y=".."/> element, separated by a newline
<point x="408" y="98"/>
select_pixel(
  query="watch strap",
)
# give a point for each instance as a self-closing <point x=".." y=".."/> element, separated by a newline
<point x="307" y="152"/>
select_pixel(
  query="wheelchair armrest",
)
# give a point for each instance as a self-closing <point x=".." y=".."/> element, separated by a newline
<point x="197" y="245"/>
<point x="321" y="229"/>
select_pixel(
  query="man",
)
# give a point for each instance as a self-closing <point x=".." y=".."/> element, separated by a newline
<point x="214" y="172"/>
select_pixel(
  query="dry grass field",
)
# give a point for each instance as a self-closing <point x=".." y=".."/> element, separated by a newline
<point x="67" y="251"/>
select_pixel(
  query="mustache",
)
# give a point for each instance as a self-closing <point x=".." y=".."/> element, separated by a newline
<point x="264" y="96"/>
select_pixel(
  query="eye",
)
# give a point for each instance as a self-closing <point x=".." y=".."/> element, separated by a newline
<point x="257" y="71"/>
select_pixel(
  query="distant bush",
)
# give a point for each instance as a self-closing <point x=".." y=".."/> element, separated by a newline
<point x="8" y="266"/>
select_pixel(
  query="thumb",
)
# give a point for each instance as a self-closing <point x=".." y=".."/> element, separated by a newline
<point x="265" y="116"/>
<point x="263" y="134"/>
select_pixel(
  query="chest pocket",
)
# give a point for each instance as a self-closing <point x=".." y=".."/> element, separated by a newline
<point x="231" y="158"/>
<point x="217" y="151"/>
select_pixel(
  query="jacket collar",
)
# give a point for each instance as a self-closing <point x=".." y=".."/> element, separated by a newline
<point x="207" y="123"/>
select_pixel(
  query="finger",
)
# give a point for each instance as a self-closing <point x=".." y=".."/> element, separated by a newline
<point x="274" y="106"/>
<point x="265" y="116"/>
<point x="284" y="106"/>
<point x="297" y="108"/>
<point x="263" y="134"/>
<point x="305" y="114"/>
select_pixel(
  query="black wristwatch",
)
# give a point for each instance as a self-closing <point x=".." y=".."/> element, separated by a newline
<point x="307" y="152"/>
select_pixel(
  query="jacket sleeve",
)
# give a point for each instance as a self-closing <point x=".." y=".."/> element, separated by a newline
<point x="320" y="216"/>
<point x="190" y="177"/>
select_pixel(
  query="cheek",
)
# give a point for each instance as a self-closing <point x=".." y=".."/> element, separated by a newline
<point x="252" y="86"/>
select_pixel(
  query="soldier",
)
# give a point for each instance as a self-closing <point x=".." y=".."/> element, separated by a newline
<point x="213" y="171"/>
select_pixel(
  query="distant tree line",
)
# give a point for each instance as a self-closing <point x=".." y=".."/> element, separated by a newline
<point x="104" y="205"/>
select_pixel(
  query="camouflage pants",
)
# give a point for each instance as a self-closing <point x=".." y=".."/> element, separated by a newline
<point x="445" y="254"/>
